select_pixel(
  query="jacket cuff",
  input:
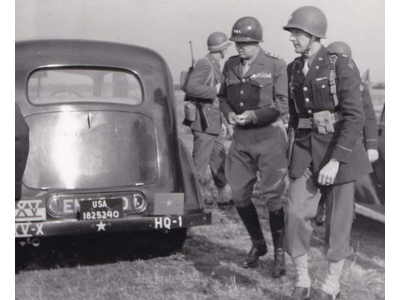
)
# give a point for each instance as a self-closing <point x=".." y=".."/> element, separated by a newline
<point x="341" y="153"/>
<point x="225" y="109"/>
<point x="371" y="144"/>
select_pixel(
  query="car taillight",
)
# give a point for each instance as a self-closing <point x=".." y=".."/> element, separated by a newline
<point x="139" y="203"/>
<point x="54" y="205"/>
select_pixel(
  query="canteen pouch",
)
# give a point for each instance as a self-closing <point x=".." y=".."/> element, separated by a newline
<point x="190" y="112"/>
<point x="324" y="122"/>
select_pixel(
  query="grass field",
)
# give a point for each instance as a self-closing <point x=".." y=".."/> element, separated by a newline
<point x="207" y="268"/>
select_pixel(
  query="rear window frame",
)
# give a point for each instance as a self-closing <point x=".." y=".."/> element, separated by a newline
<point x="81" y="67"/>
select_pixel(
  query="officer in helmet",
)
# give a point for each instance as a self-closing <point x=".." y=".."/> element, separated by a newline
<point x="202" y="86"/>
<point x="253" y="97"/>
<point x="326" y="117"/>
<point x="370" y="130"/>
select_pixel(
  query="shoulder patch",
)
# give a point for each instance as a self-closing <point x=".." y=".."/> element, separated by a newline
<point x="273" y="55"/>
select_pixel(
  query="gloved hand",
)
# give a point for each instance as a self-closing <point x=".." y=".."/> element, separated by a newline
<point x="249" y="116"/>
<point x="373" y="155"/>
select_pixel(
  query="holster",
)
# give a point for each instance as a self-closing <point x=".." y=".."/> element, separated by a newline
<point x="203" y="116"/>
<point x="291" y="137"/>
<point x="321" y="213"/>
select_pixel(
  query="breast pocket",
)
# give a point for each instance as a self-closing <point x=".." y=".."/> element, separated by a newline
<point x="232" y="85"/>
<point x="260" y="88"/>
<point x="321" y="97"/>
<point x="261" y="83"/>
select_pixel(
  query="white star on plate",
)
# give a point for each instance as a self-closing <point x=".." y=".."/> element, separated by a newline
<point x="169" y="203"/>
<point x="101" y="226"/>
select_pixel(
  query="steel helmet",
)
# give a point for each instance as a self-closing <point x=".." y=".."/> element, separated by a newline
<point x="309" y="19"/>
<point x="217" y="41"/>
<point x="341" y="48"/>
<point x="247" y="29"/>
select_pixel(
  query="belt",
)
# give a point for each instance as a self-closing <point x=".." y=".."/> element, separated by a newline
<point x="309" y="123"/>
<point x="251" y="126"/>
<point x="278" y="122"/>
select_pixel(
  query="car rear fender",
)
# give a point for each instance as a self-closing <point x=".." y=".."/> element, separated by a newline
<point x="193" y="198"/>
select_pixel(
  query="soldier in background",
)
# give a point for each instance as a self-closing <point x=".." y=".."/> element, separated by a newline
<point x="327" y="117"/>
<point x="371" y="127"/>
<point x="21" y="149"/>
<point x="208" y="129"/>
<point x="253" y="98"/>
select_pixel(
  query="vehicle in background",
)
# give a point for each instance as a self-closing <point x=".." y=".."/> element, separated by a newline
<point x="105" y="156"/>
<point x="370" y="191"/>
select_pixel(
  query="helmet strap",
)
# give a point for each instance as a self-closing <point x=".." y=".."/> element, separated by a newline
<point x="312" y="40"/>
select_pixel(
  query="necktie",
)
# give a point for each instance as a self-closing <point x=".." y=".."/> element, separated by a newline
<point x="246" y="66"/>
<point x="306" y="67"/>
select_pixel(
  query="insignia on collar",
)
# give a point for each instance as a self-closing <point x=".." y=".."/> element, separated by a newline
<point x="261" y="75"/>
<point x="273" y="55"/>
<point x="361" y="87"/>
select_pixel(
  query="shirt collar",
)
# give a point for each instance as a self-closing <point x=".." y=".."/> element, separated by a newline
<point x="312" y="57"/>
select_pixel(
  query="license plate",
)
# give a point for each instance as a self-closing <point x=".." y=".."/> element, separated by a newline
<point x="101" y="209"/>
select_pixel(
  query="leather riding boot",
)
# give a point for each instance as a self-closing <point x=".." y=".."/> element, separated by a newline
<point x="250" y="220"/>
<point x="277" y="223"/>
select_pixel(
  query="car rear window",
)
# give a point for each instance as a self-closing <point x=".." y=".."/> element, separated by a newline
<point x="95" y="149"/>
<point x="66" y="85"/>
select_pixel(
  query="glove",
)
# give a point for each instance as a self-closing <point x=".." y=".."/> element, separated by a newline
<point x="373" y="155"/>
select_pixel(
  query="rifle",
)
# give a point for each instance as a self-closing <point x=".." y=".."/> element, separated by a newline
<point x="191" y="52"/>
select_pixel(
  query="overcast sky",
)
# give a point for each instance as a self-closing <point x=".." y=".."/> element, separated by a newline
<point x="167" y="25"/>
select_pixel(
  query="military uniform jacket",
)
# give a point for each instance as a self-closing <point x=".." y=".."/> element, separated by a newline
<point x="21" y="149"/>
<point x="371" y="126"/>
<point x="262" y="89"/>
<point x="206" y="94"/>
<point x="311" y="94"/>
